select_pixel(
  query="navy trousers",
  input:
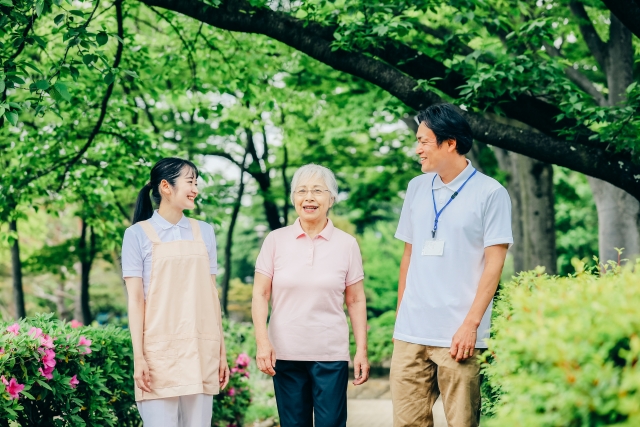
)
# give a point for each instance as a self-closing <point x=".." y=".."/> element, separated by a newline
<point x="304" y="389"/>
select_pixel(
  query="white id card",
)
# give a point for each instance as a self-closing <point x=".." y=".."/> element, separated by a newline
<point x="433" y="247"/>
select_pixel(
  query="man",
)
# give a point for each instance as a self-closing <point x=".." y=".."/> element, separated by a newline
<point x="456" y="225"/>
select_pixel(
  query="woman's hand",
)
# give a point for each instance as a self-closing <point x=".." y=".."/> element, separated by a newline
<point x="361" y="367"/>
<point x="266" y="358"/>
<point x="224" y="372"/>
<point x="141" y="375"/>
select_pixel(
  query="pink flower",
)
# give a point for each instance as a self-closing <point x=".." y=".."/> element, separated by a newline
<point x="85" y="342"/>
<point x="243" y="360"/>
<point x="49" y="358"/>
<point x="1" y="350"/>
<point x="75" y="323"/>
<point x="46" y="341"/>
<point x="73" y="382"/>
<point x="12" y="387"/>
<point x="35" y="332"/>
<point x="14" y="329"/>
<point x="47" y="372"/>
<point x="232" y="391"/>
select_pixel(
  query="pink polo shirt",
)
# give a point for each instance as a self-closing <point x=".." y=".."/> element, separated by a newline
<point x="309" y="277"/>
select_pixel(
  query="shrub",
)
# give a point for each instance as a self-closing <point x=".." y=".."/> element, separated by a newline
<point x="58" y="375"/>
<point x="565" y="351"/>
<point x="55" y="374"/>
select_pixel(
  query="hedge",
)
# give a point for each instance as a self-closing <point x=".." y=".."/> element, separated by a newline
<point x="565" y="351"/>
<point x="54" y="374"/>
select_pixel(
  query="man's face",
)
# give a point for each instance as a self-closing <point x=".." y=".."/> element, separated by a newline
<point x="432" y="156"/>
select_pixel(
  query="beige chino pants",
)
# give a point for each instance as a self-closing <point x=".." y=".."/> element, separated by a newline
<point x="419" y="374"/>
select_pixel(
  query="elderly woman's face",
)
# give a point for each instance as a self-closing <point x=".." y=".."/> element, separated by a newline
<point x="312" y="199"/>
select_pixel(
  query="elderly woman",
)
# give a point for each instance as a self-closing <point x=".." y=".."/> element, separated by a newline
<point x="309" y="270"/>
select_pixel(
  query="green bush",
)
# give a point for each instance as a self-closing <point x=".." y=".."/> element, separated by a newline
<point x="380" y="338"/>
<point x="565" y="351"/>
<point x="41" y="361"/>
<point x="54" y="374"/>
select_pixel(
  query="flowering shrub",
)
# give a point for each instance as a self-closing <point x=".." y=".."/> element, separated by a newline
<point x="565" y="351"/>
<point x="54" y="374"/>
<point x="230" y="406"/>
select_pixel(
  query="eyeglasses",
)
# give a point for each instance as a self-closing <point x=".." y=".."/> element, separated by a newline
<point x="301" y="192"/>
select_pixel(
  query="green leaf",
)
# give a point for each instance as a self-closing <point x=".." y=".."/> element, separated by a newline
<point x="131" y="73"/>
<point x="43" y="384"/>
<point x="62" y="90"/>
<point x="27" y="394"/>
<point x="109" y="78"/>
<point x="15" y="106"/>
<point x="2" y="85"/>
<point x="77" y="13"/>
<point x="2" y="110"/>
<point x="75" y="73"/>
<point x="42" y="84"/>
<point x="6" y="3"/>
<point x="39" y="7"/>
<point x="102" y="38"/>
<point x="33" y="67"/>
<point x="40" y="41"/>
<point x="58" y="19"/>
<point x="12" y="117"/>
<point x="88" y="59"/>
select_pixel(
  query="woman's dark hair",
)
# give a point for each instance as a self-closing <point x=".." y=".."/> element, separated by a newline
<point x="168" y="169"/>
<point x="446" y="123"/>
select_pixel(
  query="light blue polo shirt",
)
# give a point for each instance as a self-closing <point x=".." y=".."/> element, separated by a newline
<point x="440" y="289"/>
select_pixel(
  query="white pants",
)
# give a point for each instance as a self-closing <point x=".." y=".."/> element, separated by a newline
<point x="183" y="411"/>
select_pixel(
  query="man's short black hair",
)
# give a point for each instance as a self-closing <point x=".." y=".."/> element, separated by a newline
<point x="446" y="123"/>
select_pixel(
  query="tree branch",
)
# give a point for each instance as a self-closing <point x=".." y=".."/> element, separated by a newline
<point x="595" y="44"/>
<point x="578" y="78"/>
<point x="105" y="100"/>
<point x="316" y="41"/>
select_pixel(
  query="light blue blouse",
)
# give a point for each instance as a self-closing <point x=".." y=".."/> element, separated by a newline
<point x="136" y="246"/>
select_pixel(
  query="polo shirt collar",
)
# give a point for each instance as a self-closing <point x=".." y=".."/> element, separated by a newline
<point x="326" y="233"/>
<point x="457" y="181"/>
<point x="165" y="225"/>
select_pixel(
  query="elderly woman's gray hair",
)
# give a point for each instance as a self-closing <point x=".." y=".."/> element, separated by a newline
<point x="306" y="172"/>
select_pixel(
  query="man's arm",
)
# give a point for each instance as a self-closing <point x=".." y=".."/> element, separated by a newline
<point x="404" y="268"/>
<point x="464" y="341"/>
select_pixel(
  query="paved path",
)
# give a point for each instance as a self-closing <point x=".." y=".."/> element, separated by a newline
<point x="369" y="405"/>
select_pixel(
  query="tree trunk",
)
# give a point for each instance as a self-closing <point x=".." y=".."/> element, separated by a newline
<point x="618" y="211"/>
<point x="530" y="186"/>
<point x="16" y="269"/>
<point x="87" y="254"/>
<point x="229" y="244"/>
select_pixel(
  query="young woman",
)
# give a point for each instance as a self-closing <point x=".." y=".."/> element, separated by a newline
<point x="169" y="266"/>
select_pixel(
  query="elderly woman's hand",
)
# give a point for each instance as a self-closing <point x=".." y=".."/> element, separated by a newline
<point x="361" y="367"/>
<point x="266" y="357"/>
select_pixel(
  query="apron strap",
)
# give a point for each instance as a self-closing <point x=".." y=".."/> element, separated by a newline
<point x="195" y="230"/>
<point x="150" y="231"/>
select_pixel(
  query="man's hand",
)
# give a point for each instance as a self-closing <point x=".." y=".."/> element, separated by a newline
<point x="360" y="367"/>
<point x="464" y="342"/>
<point x="266" y="357"/>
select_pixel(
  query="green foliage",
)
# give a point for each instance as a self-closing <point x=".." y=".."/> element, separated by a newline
<point x="104" y="394"/>
<point x="565" y="351"/>
<point x="380" y="338"/>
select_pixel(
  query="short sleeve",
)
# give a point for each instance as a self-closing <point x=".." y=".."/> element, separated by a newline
<point x="266" y="257"/>
<point x="404" y="231"/>
<point x="132" y="262"/>
<point x="355" y="273"/>
<point x="497" y="219"/>
<point x="211" y="248"/>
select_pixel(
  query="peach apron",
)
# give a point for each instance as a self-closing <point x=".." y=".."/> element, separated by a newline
<point x="181" y="341"/>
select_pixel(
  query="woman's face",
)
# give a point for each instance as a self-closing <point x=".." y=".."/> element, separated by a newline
<point x="312" y="199"/>
<point x="182" y="195"/>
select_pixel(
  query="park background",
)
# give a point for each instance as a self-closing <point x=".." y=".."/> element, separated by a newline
<point x="94" y="92"/>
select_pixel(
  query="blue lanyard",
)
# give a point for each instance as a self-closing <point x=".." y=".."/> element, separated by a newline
<point x="453" y="196"/>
